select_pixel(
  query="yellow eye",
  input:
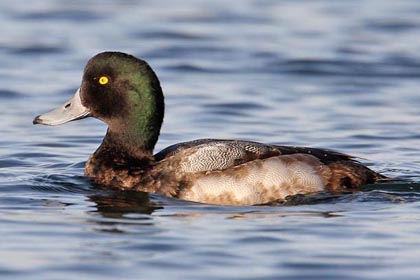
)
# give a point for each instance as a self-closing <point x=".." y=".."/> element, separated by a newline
<point x="103" y="80"/>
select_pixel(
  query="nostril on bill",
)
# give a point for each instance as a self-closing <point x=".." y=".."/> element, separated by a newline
<point x="67" y="105"/>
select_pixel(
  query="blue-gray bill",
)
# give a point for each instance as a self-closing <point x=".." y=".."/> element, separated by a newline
<point x="72" y="110"/>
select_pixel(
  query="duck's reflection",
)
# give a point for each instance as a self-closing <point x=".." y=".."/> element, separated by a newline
<point x="123" y="204"/>
<point x="127" y="212"/>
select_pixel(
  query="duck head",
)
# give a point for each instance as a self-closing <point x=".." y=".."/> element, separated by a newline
<point x="122" y="91"/>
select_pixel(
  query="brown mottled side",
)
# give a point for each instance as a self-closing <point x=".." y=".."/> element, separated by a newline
<point x="347" y="174"/>
<point x="298" y="184"/>
<point x="264" y="191"/>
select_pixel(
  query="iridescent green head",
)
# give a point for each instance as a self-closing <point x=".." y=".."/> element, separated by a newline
<point x="124" y="92"/>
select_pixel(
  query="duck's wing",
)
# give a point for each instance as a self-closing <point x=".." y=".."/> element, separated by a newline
<point x="215" y="154"/>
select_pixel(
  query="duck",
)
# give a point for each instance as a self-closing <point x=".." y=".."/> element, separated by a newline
<point x="124" y="92"/>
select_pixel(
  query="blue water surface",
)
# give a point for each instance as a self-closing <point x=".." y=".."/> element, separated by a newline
<point x="343" y="75"/>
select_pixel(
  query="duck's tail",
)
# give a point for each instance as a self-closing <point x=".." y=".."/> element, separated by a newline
<point x="350" y="175"/>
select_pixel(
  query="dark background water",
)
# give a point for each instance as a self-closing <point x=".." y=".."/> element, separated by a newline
<point x="343" y="75"/>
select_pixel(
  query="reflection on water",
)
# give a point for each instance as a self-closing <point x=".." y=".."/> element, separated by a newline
<point x="342" y="75"/>
<point x="118" y="204"/>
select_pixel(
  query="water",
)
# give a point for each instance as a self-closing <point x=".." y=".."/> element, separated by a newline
<point x="343" y="75"/>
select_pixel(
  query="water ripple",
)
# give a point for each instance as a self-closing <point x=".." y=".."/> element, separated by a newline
<point x="348" y="68"/>
<point x="10" y="94"/>
<point x="61" y="15"/>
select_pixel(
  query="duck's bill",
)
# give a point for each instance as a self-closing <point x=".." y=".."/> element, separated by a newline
<point x="70" y="111"/>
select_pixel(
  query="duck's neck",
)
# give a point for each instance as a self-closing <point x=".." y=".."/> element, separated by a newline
<point x="127" y="148"/>
<point x="120" y="161"/>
